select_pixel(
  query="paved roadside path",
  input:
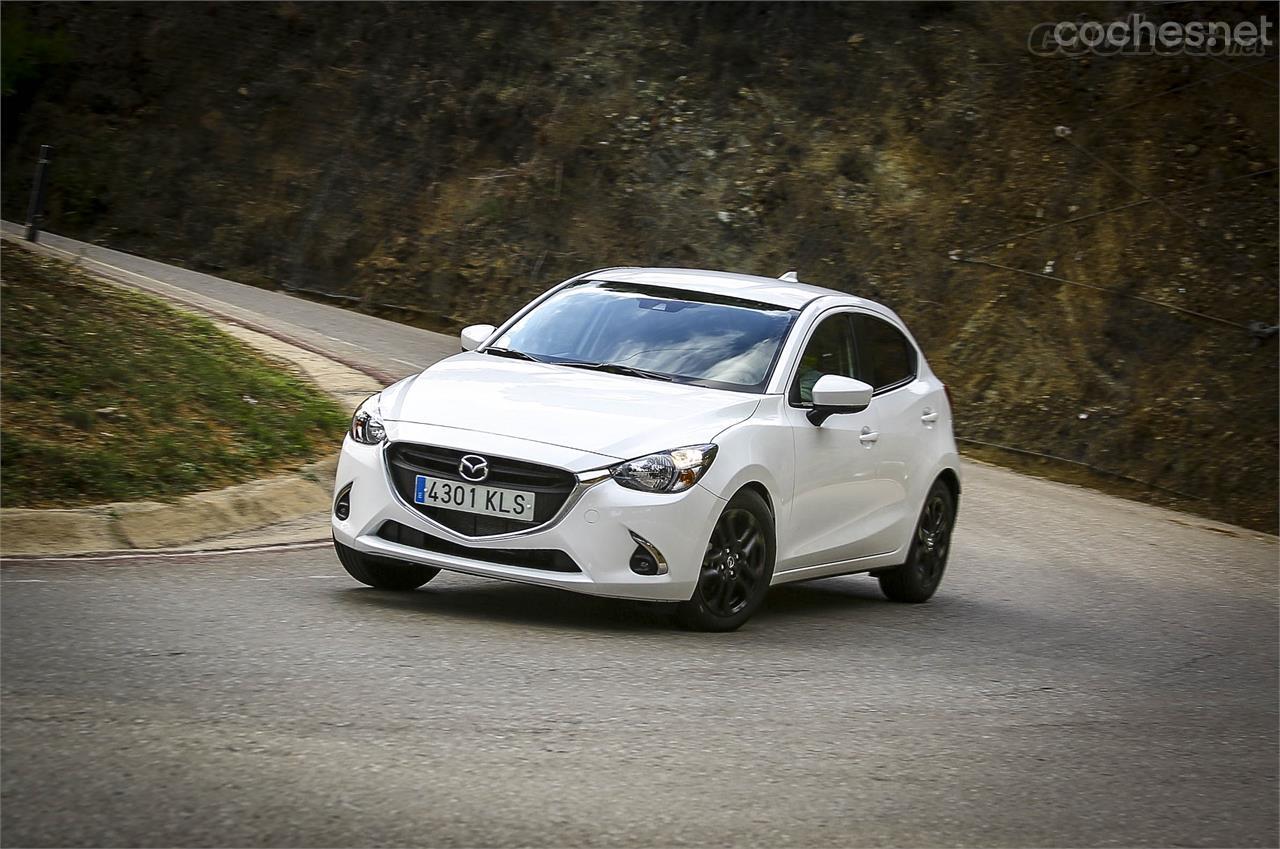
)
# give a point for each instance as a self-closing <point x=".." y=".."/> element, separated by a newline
<point x="393" y="349"/>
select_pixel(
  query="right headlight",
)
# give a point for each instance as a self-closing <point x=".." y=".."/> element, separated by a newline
<point x="666" y="471"/>
<point x="366" y="426"/>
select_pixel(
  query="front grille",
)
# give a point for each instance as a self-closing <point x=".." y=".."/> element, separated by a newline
<point x="545" y="559"/>
<point x="551" y="485"/>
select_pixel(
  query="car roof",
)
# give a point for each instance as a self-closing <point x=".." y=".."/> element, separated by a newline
<point x="769" y="290"/>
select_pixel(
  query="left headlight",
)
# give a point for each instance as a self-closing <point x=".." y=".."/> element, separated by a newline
<point x="366" y="426"/>
<point x="666" y="471"/>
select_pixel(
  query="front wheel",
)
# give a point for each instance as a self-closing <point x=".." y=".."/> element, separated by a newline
<point x="917" y="580"/>
<point x="381" y="572"/>
<point x="736" y="567"/>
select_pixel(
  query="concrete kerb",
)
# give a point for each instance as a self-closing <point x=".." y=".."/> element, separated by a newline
<point x="202" y="515"/>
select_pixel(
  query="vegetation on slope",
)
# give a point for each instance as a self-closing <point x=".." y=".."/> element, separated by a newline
<point x="454" y="160"/>
<point x="109" y="395"/>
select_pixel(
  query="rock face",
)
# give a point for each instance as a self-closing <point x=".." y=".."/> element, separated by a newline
<point x="452" y="161"/>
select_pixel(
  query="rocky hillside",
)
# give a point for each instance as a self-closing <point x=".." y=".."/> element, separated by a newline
<point x="453" y="160"/>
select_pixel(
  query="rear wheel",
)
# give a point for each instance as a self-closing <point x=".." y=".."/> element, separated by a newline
<point x="381" y="572"/>
<point x="917" y="579"/>
<point x="736" y="567"/>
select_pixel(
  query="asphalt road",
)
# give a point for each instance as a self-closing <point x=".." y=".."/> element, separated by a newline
<point x="1093" y="672"/>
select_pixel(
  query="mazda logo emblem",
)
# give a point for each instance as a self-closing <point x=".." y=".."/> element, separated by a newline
<point x="473" y="468"/>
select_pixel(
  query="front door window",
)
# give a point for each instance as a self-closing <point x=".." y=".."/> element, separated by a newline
<point x="830" y="351"/>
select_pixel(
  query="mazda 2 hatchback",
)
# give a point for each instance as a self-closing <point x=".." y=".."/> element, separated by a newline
<point x="661" y="434"/>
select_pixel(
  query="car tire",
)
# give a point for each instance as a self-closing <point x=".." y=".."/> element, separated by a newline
<point x="736" y="567"/>
<point x="383" y="573"/>
<point x="917" y="580"/>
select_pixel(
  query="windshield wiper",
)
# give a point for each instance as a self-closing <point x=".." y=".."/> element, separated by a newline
<point x="513" y="354"/>
<point x="619" y="368"/>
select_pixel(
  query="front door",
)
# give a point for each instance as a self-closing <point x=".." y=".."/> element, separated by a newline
<point x="838" y="485"/>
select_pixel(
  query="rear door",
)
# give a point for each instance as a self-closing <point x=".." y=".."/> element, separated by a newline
<point x="906" y="411"/>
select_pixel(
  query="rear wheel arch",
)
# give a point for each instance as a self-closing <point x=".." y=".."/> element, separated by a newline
<point x="952" y="480"/>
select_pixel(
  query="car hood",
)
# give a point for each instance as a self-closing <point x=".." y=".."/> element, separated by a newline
<point x="613" y="415"/>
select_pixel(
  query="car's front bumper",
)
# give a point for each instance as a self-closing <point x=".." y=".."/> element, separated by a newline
<point x="594" y="528"/>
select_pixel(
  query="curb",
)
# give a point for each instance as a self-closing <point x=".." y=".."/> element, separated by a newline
<point x="201" y="516"/>
<point x="133" y="525"/>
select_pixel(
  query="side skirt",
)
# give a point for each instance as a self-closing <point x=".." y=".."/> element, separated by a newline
<point x="873" y="563"/>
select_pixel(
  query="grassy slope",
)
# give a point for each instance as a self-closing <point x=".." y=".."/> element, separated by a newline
<point x="109" y="395"/>
<point x="459" y="158"/>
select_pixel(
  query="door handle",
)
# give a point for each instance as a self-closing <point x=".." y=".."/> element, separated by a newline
<point x="868" y="436"/>
<point x="929" y="416"/>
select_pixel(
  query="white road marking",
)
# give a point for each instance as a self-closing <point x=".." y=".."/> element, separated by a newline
<point x="69" y="579"/>
<point x="409" y="364"/>
<point x="300" y="578"/>
<point x="147" y="555"/>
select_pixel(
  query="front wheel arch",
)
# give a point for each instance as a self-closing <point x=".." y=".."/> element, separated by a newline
<point x="763" y="491"/>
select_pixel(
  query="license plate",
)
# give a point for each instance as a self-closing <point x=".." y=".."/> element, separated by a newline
<point x="470" y="498"/>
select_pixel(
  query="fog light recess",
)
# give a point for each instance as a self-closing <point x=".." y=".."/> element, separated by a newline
<point x="646" y="559"/>
<point x="342" y="505"/>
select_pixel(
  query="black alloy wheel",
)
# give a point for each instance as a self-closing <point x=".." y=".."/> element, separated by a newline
<point x="736" y="567"/>
<point x="918" y="579"/>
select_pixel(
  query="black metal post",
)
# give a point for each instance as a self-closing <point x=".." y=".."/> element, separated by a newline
<point x="35" y="212"/>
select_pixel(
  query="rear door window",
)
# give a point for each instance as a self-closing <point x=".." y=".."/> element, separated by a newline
<point x="885" y="357"/>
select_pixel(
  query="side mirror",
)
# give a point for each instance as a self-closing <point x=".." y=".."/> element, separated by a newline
<point x="473" y="337"/>
<point x="834" y="395"/>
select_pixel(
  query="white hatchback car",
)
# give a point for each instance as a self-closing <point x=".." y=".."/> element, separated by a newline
<point x="660" y="434"/>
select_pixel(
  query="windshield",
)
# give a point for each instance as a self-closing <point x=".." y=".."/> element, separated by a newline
<point x="689" y="337"/>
